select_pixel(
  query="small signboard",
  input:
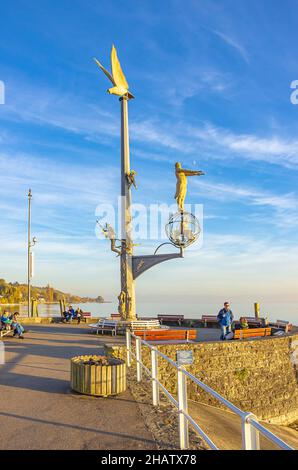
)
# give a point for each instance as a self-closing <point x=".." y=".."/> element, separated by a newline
<point x="184" y="357"/>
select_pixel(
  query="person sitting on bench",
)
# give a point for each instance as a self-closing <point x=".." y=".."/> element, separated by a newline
<point x="243" y="323"/>
<point x="69" y="314"/>
<point x="5" y="320"/>
<point x="78" y="315"/>
<point x="17" y="327"/>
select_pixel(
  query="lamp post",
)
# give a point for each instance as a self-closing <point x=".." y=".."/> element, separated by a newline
<point x="31" y="243"/>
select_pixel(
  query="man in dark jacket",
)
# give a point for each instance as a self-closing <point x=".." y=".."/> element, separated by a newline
<point x="225" y="319"/>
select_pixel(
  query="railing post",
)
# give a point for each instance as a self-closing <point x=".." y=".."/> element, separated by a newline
<point x="183" y="408"/>
<point x="250" y="435"/>
<point x="139" y="359"/>
<point x="128" y="347"/>
<point x="154" y="372"/>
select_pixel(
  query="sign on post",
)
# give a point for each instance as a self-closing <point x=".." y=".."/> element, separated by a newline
<point x="184" y="357"/>
<point x="31" y="265"/>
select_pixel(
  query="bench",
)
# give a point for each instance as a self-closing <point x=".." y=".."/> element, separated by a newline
<point x="167" y="335"/>
<point x="170" y="319"/>
<point x="107" y="325"/>
<point x="209" y="319"/>
<point x="253" y="321"/>
<point x="86" y="315"/>
<point x="284" y="325"/>
<point x="252" y="333"/>
<point x="6" y="330"/>
<point x="115" y="316"/>
<point x="145" y="325"/>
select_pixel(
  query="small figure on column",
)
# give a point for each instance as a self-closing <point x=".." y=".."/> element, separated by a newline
<point x="109" y="233"/>
<point x="122" y="304"/>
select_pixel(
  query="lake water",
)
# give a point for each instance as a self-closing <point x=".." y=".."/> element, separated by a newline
<point x="274" y="311"/>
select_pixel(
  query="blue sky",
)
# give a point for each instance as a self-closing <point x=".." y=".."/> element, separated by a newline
<point x="212" y="85"/>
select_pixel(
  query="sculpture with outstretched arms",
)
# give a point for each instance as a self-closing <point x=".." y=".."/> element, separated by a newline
<point x="181" y="186"/>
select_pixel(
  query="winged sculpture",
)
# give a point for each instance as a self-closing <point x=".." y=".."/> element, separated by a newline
<point x="117" y="77"/>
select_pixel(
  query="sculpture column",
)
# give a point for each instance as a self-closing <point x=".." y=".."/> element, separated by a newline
<point x="127" y="281"/>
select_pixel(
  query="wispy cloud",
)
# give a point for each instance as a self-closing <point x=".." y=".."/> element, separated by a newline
<point x="47" y="108"/>
<point x="234" y="44"/>
<point x="284" y="206"/>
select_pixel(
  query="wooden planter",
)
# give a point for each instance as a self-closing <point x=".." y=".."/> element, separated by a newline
<point x="98" y="380"/>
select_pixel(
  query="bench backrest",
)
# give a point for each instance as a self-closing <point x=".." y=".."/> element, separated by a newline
<point x="167" y="335"/>
<point x="284" y="324"/>
<point x="174" y="317"/>
<point x="252" y="333"/>
<point x="144" y="325"/>
<point x="255" y="320"/>
<point x="108" y="322"/>
<point x="210" y="318"/>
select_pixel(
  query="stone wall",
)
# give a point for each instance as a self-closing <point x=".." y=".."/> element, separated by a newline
<point x="258" y="376"/>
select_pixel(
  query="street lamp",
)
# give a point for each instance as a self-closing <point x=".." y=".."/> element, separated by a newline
<point x="30" y="260"/>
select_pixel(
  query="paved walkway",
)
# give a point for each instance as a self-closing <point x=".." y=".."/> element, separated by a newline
<point x="38" y="409"/>
<point x="224" y="428"/>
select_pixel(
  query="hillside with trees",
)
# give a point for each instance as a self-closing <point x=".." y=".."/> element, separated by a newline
<point x="15" y="293"/>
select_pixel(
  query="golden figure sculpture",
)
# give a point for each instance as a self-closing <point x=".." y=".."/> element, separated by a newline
<point x="117" y="77"/>
<point x="131" y="179"/>
<point x="122" y="304"/>
<point x="181" y="186"/>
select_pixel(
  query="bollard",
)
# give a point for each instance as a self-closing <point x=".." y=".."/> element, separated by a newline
<point x="62" y="309"/>
<point x="128" y="347"/>
<point x="257" y="310"/>
<point x="182" y="403"/>
<point x="250" y="435"/>
<point x="139" y="359"/>
<point x="154" y="372"/>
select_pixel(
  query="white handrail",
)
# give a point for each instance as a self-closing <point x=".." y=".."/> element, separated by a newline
<point x="251" y="428"/>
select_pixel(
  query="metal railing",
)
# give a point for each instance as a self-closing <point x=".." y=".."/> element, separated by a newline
<point x="250" y="429"/>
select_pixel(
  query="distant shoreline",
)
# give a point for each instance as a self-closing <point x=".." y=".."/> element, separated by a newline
<point x="57" y="303"/>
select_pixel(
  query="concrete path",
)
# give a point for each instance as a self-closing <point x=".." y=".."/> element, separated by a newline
<point x="38" y="409"/>
<point x="224" y="428"/>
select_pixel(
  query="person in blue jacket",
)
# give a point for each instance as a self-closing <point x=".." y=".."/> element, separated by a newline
<point x="225" y="319"/>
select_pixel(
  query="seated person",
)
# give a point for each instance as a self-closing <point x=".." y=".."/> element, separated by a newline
<point x="17" y="327"/>
<point x="71" y="312"/>
<point x="67" y="316"/>
<point x="243" y="323"/>
<point x="78" y="315"/>
<point x="5" y="320"/>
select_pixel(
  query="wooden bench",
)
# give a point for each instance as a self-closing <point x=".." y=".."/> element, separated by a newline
<point x="253" y="321"/>
<point x="145" y="325"/>
<point x="6" y="330"/>
<point x="86" y="315"/>
<point x="209" y="319"/>
<point x="252" y="333"/>
<point x="167" y="335"/>
<point x="170" y="319"/>
<point x="115" y="316"/>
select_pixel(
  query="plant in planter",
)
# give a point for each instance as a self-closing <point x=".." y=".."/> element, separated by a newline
<point x="98" y="375"/>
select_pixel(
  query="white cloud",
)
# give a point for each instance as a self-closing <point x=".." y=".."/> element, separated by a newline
<point x="234" y="44"/>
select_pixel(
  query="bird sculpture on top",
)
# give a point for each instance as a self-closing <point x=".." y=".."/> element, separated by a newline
<point x="117" y="77"/>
